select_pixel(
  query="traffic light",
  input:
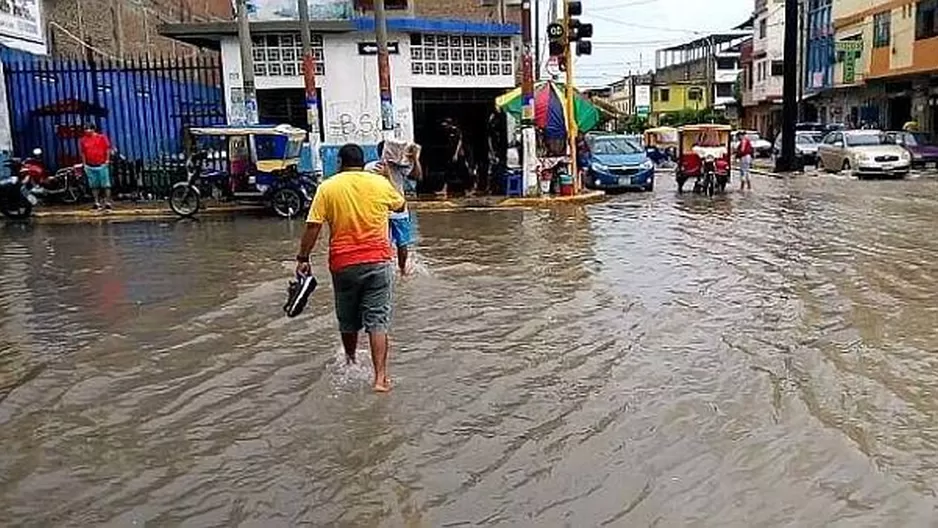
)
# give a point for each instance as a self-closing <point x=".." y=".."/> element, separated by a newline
<point x="557" y="39"/>
<point x="578" y="31"/>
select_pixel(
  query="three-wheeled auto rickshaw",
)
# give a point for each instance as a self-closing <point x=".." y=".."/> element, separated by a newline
<point x="660" y="144"/>
<point x="704" y="154"/>
<point x="253" y="164"/>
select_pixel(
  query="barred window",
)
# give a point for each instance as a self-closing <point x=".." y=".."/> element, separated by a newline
<point x="281" y="54"/>
<point x="461" y="55"/>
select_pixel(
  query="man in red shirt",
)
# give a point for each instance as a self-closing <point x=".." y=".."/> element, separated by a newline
<point x="95" y="151"/>
<point x="744" y="152"/>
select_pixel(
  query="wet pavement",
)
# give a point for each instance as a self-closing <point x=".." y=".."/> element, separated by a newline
<point x="755" y="360"/>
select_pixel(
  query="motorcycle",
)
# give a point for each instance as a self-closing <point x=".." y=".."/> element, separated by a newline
<point x="67" y="185"/>
<point x="16" y="202"/>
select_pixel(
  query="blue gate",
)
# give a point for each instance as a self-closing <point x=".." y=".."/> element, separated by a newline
<point x="141" y="105"/>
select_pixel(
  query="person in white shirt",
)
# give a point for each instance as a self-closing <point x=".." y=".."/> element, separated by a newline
<point x="398" y="172"/>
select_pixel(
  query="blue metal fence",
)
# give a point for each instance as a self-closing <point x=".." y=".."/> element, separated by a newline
<point x="143" y="106"/>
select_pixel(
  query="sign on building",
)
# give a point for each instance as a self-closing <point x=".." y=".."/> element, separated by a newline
<point x="21" y="25"/>
<point x="851" y="50"/>
<point x="268" y="10"/>
<point x="643" y="100"/>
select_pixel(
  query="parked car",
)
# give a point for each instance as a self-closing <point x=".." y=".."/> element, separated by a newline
<point x="761" y="147"/>
<point x="618" y="163"/>
<point x="864" y="153"/>
<point x="805" y="146"/>
<point x="923" y="150"/>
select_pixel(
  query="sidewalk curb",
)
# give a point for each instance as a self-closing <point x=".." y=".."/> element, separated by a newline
<point x="164" y="213"/>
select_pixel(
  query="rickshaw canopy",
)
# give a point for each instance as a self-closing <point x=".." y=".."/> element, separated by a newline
<point x="664" y="136"/>
<point x="705" y="136"/>
<point x="257" y="130"/>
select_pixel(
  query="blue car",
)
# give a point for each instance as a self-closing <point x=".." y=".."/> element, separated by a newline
<point x="617" y="163"/>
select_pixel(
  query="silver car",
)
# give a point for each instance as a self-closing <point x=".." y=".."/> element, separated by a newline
<point x="864" y="153"/>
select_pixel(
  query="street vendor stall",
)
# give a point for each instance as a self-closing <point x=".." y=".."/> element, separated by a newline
<point x="551" y="121"/>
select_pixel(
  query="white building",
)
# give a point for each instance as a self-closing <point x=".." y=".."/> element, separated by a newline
<point x="439" y="69"/>
<point x="764" y="107"/>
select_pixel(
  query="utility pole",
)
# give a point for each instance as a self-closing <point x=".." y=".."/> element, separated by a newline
<point x="247" y="63"/>
<point x="528" y="136"/>
<point x="384" y="69"/>
<point x="786" y="162"/>
<point x="309" y="82"/>
<point x="537" y="40"/>
<point x="118" y="21"/>
<point x="802" y="57"/>
<point x="501" y="11"/>
<point x="710" y="99"/>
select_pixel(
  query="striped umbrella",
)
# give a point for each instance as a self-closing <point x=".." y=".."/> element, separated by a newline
<point x="549" y="114"/>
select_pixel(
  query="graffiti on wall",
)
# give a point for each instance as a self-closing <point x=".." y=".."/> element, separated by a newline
<point x="348" y="125"/>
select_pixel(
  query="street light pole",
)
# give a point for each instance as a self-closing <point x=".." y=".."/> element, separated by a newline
<point x="247" y="63"/>
<point x="309" y="82"/>
<point x="384" y="68"/>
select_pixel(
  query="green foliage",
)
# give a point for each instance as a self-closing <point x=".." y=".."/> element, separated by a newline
<point x="689" y="116"/>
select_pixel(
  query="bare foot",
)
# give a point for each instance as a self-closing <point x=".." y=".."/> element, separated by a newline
<point x="384" y="386"/>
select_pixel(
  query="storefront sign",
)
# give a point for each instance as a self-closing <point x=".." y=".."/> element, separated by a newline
<point x="269" y="10"/>
<point x="21" y="20"/>
<point x="851" y="50"/>
<point x="850" y="68"/>
<point x="643" y="100"/>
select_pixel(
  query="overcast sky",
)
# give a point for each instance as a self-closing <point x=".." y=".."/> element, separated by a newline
<point x="626" y="33"/>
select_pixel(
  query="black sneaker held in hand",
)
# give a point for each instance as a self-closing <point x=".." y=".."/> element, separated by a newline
<point x="298" y="295"/>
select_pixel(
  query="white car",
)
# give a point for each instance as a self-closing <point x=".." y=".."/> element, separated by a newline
<point x="761" y="147"/>
<point x="864" y="153"/>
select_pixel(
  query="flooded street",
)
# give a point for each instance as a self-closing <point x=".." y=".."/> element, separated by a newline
<point x="759" y="360"/>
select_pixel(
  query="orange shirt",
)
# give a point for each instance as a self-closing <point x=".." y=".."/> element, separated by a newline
<point x="356" y="204"/>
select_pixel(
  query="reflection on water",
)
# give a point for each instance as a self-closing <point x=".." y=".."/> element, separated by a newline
<point x="761" y="359"/>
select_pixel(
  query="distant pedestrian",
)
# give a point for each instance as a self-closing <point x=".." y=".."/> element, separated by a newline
<point x="744" y="153"/>
<point x="399" y="167"/>
<point x="355" y="204"/>
<point x="95" y="149"/>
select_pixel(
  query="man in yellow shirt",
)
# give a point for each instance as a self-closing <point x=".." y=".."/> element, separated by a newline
<point x="356" y="205"/>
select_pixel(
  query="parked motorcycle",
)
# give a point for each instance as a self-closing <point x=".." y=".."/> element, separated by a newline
<point x="67" y="185"/>
<point x="16" y="202"/>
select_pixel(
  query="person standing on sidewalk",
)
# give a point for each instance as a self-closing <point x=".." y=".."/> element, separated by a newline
<point x="398" y="171"/>
<point x="95" y="150"/>
<point x="356" y="204"/>
<point x="744" y="153"/>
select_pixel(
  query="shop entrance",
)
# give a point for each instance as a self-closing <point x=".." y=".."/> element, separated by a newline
<point x="900" y="112"/>
<point x="470" y="109"/>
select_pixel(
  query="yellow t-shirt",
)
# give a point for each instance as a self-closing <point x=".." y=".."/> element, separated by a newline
<point x="356" y="204"/>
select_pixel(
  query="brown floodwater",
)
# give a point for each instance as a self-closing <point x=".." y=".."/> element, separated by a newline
<point x="756" y="360"/>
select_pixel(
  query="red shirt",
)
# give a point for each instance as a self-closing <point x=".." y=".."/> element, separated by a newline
<point x="95" y="149"/>
<point x="745" y="147"/>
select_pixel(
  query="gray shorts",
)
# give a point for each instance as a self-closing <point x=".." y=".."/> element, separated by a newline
<point x="363" y="297"/>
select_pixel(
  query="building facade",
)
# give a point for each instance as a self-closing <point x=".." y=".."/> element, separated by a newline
<point x="440" y="68"/>
<point x="698" y="75"/>
<point x="765" y="68"/>
<point x="873" y="62"/>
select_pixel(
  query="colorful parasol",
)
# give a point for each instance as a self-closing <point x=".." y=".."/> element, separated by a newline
<point x="549" y="114"/>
